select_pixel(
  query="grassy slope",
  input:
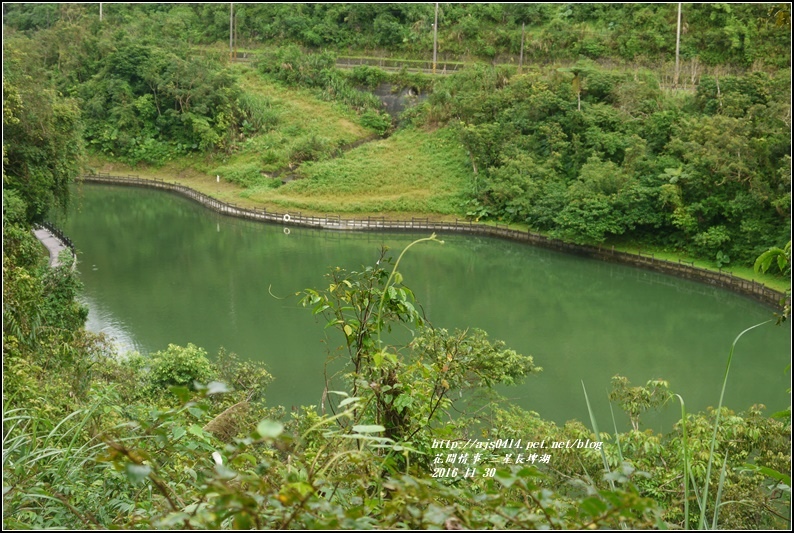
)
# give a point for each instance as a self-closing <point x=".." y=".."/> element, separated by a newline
<point x="299" y="116"/>
<point x="411" y="172"/>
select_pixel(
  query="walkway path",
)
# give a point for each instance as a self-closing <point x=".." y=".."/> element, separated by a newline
<point x="52" y="243"/>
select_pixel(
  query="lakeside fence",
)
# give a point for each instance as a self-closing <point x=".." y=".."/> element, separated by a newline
<point x="56" y="231"/>
<point x="58" y="234"/>
<point x="395" y="65"/>
<point x="683" y="269"/>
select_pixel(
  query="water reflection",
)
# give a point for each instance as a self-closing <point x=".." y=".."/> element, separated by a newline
<point x="102" y="320"/>
<point x="170" y="271"/>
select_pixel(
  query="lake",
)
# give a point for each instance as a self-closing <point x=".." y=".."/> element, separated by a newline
<point x="160" y="269"/>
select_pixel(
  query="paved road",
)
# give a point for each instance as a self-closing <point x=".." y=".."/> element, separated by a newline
<point x="52" y="243"/>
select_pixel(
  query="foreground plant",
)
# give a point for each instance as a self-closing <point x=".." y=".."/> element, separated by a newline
<point x="188" y="459"/>
<point x="406" y="388"/>
<point x="329" y="478"/>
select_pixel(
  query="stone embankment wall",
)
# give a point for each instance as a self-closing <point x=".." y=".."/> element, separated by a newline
<point x="683" y="269"/>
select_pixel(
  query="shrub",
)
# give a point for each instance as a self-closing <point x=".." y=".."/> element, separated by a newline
<point x="378" y="121"/>
<point x="367" y="76"/>
<point x="309" y="149"/>
<point x="179" y="365"/>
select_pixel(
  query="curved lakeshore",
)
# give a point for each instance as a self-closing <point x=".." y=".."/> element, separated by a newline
<point x="159" y="269"/>
<point x="753" y="289"/>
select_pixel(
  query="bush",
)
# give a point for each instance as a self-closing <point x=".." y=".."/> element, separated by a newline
<point x="711" y="241"/>
<point x="380" y="122"/>
<point x="309" y="149"/>
<point x="293" y="66"/>
<point x="369" y="77"/>
<point x="179" y="366"/>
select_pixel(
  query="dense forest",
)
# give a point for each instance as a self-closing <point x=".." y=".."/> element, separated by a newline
<point x="735" y="35"/>
<point x="586" y="139"/>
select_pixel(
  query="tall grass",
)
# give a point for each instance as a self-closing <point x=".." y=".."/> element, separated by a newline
<point x="259" y="112"/>
<point x="293" y="66"/>
<point x="45" y="466"/>
<point x="701" y="496"/>
<point x="279" y="123"/>
<point x="685" y="452"/>
<point x="705" y="494"/>
<point x="597" y="435"/>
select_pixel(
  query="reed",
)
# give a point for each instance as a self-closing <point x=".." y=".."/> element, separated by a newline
<point x="44" y="464"/>
<point x="704" y="498"/>
<point x="701" y="496"/>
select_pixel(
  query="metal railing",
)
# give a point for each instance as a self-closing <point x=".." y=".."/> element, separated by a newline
<point x="56" y="231"/>
<point x="61" y="236"/>
<point x="396" y="65"/>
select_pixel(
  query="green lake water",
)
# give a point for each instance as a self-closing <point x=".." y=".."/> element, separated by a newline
<point x="160" y="269"/>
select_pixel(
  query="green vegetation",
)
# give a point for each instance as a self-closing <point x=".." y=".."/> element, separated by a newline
<point x="179" y="440"/>
<point x="37" y="168"/>
<point x="410" y="172"/>
<point x="291" y="126"/>
<point x="584" y="152"/>
<point x="627" y="160"/>
<point x="781" y="258"/>
<point x="716" y="34"/>
<point x="138" y="449"/>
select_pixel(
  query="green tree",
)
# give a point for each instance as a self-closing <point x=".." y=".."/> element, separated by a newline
<point x="42" y="142"/>
<point x="407" y="389"/>
<point x="636" y="400"/>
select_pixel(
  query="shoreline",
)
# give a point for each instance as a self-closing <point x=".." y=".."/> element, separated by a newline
<point x="683" y="269"/>
<point x="55" y="242"/>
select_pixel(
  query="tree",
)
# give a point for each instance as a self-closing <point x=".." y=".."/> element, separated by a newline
<point x="405" y="388"/>
<point x="42" y="142"/>
<point x="636" y="400"/>
<point x="579" y="71"/>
